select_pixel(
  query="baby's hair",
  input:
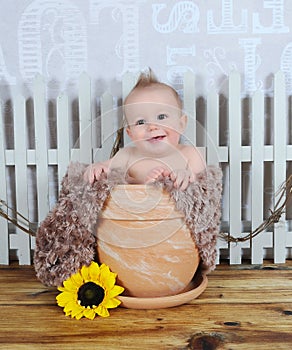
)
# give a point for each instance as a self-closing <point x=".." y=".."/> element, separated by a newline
<point x="148" y="79"/>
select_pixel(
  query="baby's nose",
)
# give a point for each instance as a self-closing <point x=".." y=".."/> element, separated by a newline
<point x="152" y="126"/>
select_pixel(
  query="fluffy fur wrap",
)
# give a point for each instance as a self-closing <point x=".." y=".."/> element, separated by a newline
<point x="66" y="239"/>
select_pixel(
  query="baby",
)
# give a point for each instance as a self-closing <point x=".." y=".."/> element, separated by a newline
<point x="154" y="123"/>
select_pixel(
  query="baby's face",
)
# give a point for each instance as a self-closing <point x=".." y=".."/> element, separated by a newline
<point x="155" y="121"/>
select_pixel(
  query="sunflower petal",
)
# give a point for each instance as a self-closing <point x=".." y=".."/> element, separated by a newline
<point x="73" y="307"/>
<point x="89" y="313"/>
<point x="112" y="303"/>
<point x="116" y="290"/>
<point x="77" y="279"/>
<point x="70" y="285"/>
<point x="107" y="278"/>
<point x="85" y="273"/>
<point x="94" y="272"/>
<point x="102" y="311"/>
<point x="64" y="298"/>
<point x="78" y="316"/>
<point x="68" y="313"/>
<point x="105" y="270"/>
<point x="76" y="311"/>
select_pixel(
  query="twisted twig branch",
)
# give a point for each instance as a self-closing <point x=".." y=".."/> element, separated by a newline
<point x="14" y="220"/>
<point x="285" y="193"/>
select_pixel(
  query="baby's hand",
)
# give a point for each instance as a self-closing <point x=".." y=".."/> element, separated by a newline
<point x="156" y="173"/>
<point x="182" y="178"/>
<point x="93" y="172"/>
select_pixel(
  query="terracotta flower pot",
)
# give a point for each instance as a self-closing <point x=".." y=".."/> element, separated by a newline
<point x="144" y="239"/>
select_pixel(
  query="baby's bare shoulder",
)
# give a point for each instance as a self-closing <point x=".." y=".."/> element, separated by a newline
<point x="125" y="151"/>
<point x="195" y="158"/>
<point x="189" y="150"/>
<point x="121" y="158"/>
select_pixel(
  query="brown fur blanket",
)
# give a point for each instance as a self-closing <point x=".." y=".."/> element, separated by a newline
<point x="66" y="239"/>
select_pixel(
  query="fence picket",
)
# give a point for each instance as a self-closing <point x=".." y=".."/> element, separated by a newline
<point x="85" y="121"/>
<point x="4" y="238"/>
<point x="63" y="134"/>
<point x="212" y="145"/>
<point x="21" y="241"/>
<point x="41" y="147"/>
<point x="128" y="83"/>
<point x="190" y="106"/>
<point x="280" y="149"/>
<point x="234" y="117"/>
<point x="212" y="140"/>
<point x="257" y="176"/>
<point x="109" y="124"/>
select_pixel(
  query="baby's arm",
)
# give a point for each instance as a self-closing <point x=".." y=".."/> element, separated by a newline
<point x="195" y="164"/>
<point x="156" y="173"/>
<point x="196" y="161"/>
<point x="94" y="171"/>
<point x="181" y="177"/>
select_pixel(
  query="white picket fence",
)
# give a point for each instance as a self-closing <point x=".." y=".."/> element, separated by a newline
<point x="254" y="168"/>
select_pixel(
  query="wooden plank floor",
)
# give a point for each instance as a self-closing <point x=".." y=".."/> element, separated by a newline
<point x="244" y="307"/>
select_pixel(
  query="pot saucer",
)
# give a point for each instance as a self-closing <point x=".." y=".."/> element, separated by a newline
<point x="192" y="291"/>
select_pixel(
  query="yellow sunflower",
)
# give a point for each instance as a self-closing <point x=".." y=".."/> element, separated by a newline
<point x="89" y="292"/>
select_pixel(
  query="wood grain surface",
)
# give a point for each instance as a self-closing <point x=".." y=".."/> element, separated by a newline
<point x="245" y="307"/>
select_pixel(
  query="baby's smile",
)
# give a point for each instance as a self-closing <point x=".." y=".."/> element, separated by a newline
<point x="155" y="139"/>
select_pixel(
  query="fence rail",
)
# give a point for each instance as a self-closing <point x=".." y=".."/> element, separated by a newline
<point x="251" y="144"/>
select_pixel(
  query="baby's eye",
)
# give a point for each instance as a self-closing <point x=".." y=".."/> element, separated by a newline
<point x="140" y="122"/>
<point x="161" y="116"/>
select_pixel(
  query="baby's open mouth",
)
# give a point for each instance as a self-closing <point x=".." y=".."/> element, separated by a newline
<point x="157" y="138"/>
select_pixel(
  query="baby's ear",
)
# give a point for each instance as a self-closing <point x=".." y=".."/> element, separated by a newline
<point x="129" y="132"/>
<point x="183" y="122"/>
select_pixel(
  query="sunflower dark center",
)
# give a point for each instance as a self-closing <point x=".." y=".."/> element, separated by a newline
<point x="90" y="294"/>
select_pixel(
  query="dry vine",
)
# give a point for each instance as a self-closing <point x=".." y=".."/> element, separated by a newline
<point x="14" y="220"/>
<point x="285" y="193"/>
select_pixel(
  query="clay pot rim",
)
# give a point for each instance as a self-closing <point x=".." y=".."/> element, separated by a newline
<point x="130" y="201"/>
<point x="193" y="291"/>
